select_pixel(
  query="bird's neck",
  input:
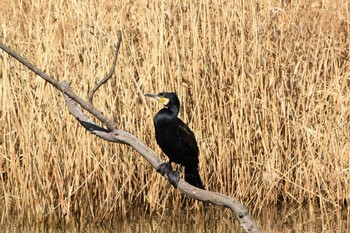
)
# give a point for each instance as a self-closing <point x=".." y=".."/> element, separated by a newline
<point x="174" y="109"/>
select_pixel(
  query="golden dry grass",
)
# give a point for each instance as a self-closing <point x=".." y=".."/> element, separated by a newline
<point x="263" y="84"/>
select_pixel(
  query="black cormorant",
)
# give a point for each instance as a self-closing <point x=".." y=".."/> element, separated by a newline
<point x="176" y="140"/>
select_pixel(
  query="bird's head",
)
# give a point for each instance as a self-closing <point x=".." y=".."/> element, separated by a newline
<point x="167" y="98"/>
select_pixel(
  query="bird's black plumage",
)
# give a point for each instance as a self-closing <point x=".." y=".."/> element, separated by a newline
<point x="176" y="139"/>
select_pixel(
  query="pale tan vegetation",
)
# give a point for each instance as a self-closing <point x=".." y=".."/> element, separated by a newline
<point x="263" y="84"/>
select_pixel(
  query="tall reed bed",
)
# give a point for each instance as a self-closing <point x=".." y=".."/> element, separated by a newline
<point x="263" y="84"/>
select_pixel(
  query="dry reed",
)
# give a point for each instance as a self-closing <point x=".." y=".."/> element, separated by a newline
<point x="263" y="84"/>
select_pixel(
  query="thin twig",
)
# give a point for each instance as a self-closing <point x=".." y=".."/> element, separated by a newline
<point x="111" y="71"/>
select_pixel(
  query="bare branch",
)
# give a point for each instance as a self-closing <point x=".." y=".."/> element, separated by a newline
<point x="111" y="71"/>
<point x="120" y="136"/>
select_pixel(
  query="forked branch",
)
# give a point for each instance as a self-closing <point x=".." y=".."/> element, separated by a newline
<point x="112" y="134"/>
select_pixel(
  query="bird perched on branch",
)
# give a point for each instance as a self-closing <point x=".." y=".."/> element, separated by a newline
<point x="176" y="140"/>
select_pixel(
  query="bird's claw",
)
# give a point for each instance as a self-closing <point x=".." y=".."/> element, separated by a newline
<point x="164" y="168"/>
<point x="174" y="177"/>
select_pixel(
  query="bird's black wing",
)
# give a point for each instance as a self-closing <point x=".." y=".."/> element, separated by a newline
<point x="187" y="137"/>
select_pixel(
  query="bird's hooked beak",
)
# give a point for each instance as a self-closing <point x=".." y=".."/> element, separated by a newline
<point x="160" y="98"/>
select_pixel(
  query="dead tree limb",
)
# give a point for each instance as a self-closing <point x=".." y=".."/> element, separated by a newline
<point x="112" y="134"/>
<point x="85" y="105"/>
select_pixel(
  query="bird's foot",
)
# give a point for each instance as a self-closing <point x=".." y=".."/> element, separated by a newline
<point x="174" y="177"/>
<point x="164" y="168"/>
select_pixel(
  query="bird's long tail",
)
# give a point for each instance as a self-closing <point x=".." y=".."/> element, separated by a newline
<point x="192" y="177"/>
